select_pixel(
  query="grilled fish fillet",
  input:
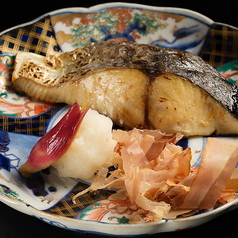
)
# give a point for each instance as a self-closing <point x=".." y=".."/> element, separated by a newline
<point x="136" y="85"/>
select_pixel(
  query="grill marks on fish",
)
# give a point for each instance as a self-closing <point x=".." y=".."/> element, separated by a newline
<point x="153" y="60"/>
<point x="76" y="76"/>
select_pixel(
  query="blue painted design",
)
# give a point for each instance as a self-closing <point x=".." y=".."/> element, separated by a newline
<point x="9" y="161"/>
<point x="5" y="162"/>
<point x="126" y="34"/>
<point x="10" y="144"/>
<point x="186" y="31"/>
<point x="52" y="189"/>
<point x="184" y="47"/>
<point x="4" y="141"/>
<point x="54" y="223"/>
<point x="37" y="184"/>
<point x="61" y="225"/>
<point x="22" y="143"/>
<point x="24" y="38"/>
<point x="39" y="30"/>
<point x="6" y="189"/>
<point x="14" y="161"/>
<point x="180" y="34"/>
<point x="9" y="193"/>
<point x="183" y="143"/>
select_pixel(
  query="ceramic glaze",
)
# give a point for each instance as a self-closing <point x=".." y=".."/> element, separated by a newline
<point x="50" y="197"/>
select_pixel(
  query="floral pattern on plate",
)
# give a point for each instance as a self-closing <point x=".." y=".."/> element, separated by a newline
<point x="14" y="104"/>
<point x="167" y="29"/>
<point x="49" y="197"/>
<point x="18" y="113"/>
<point x="37" y="191"/>
<point x="51" y="202"/>
<point x="230" y="72"/>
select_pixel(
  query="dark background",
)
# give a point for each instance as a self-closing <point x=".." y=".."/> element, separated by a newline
<point x="21" y="11"/>
<point x="14" y="224"/>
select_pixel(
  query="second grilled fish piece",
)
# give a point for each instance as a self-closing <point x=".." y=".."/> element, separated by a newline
<point x="136" y="85"/>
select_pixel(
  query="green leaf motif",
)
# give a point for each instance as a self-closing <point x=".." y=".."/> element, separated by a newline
<point x="8" y="193"/>
<point x="106" y="25"/>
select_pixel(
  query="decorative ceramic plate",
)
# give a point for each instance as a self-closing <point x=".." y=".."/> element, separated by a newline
<point x="48" y="197"/>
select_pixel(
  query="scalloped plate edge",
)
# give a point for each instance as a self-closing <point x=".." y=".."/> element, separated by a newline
<point x="94" y="8"/>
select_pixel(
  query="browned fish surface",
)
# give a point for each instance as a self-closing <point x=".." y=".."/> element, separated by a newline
<point x="135" y="85"/>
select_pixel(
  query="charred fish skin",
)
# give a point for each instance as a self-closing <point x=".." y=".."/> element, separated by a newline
<point x="153" y="60"/>
<point x="136" y="85"/>
<point x="209" y="79"/>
